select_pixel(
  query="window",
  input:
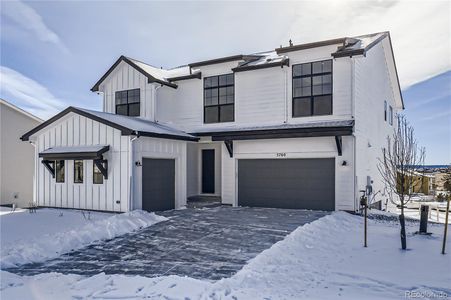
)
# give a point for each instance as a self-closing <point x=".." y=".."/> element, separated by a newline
<point x="78" y="171"/>
<point x="312" y="89"/>
<point x="97" y="176"/>
<point x="219" y="99"/>
<point x="59" y="169"/>
<point x="128" y="103"/>
<point x="390" y="116"/>
<point x="385" y="110"/>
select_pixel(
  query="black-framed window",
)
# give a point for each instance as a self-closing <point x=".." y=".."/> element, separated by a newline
<point x="219" y="99"/>
<point x="128" y="103"/>
<point x="59" y="170"/>
<point x="390" y="115"/>
<point x="385" y="110"/>
<point x="312" y="89"/>
<point x="78" y="171"/>
<point x="97" y="176"/>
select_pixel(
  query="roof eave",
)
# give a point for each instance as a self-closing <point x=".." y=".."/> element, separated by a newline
<point x="285" y="62"/>
<point x="310" y="45"/>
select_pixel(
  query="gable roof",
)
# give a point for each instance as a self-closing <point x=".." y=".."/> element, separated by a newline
<point x="127" y="125"/>
<point x="152" y="73"/>
<point x="20" y="110"/>
<point x="359" y="45"/>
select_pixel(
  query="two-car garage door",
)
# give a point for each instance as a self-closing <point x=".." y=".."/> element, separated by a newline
<point x="287" y="183"/>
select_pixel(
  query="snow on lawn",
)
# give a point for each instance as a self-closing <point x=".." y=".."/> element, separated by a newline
<point x="321" y="260"/>
<point x="33" y="237"/>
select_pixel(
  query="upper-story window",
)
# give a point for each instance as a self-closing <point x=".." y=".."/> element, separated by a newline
<point x="312" y="89"/>
<point x="219" y="99"/>
<point x="385" y="110"/>
<point x="128" y="103"/>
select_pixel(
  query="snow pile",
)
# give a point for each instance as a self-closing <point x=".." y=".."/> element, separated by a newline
<point x="321" y="260"/>
<point x="37" y="237"/>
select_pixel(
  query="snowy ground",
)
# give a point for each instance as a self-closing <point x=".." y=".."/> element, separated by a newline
<point x="321" y="260"/>
<point x="413" y="211"/>
<point x="33" y="237"/>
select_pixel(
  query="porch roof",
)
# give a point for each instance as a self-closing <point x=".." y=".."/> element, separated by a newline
<point x="74" y="152"/>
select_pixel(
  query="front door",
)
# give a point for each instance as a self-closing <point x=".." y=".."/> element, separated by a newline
<point x="208" y="171"/>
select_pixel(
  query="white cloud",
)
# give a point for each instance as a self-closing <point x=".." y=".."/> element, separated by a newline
<point x="420" y="31"/>
<point x="28" y="94"/>
<point x="28" y="19"/>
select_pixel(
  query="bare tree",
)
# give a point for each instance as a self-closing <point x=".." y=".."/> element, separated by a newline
<point x="398" y="166"/>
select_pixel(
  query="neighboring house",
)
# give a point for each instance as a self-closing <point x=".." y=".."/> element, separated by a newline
<point x="17" y="159"/>
<point x="297" y="127"/>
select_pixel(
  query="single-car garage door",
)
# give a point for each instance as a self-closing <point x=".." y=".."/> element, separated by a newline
<point x="287" y="183"/>
<point x="158" y="184"/>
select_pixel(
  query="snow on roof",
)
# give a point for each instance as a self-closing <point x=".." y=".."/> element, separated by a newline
<point x="73" y="149"/>
<point x="320" y="124"/>
<point x="360" y="43"/>
<point x="138" y="124"/>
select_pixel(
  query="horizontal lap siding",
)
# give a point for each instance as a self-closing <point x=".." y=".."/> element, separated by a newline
<point x="75" y="130"/>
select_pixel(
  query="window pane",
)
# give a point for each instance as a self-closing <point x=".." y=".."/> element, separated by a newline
<point x="133" y="110"/>
<point x="230" y="94"/>
<point x="121" y="109"/>
<point x="226" y="113"/>
<point x="301" y="70"/>
<point x="214" y="81"/>
<point x="302" y="87"/>
<point x="302" y="107"/>
<point x="211" y="114"/>
<point x="214" y="96"/>
<point x="59" y="171"/>
<point x="78" y="171"/>
<point x="230" y="80"/>
<point x="223" y="80"/>
<point x="207" y="82"/>
<point x="222" y="95"/>
<point x="97" y="176"/>
<point x="322" y="105"/>
<point x="327" y="66"/>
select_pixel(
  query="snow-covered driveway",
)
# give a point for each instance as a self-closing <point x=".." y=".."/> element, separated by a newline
<point x="211" y="244"/>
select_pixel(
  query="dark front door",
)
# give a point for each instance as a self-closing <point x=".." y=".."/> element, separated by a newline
<point x="208" y="171"/>
<point x="158" y="184"/>
<point x="287" y="183"/>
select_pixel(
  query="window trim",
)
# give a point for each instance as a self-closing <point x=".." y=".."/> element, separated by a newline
<point x="57" y="170"/>
<point x="218" y="105"/>
<point x="82" y="171"/>
<point x="385" y="110"/>
<point x="94" y="167"/>
<point x="390" y="109"/>
<point x="127" y="104"/>
<point x="311" y="97"/>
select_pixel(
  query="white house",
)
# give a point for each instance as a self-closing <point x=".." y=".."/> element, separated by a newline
<point x="301" y="126"/>
<point x="16" y="158"/>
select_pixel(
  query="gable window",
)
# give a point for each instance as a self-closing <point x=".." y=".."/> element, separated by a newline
<point x="385" y="110"/>
<point x="97" y="176"/>
<point x="128" y="103"/>
<point x="390" y="115"/>
<point x="219" y="99"/>
<point x="312" y="89"/>
<point x="59" y="169"/>
<point x="78" y="171"/>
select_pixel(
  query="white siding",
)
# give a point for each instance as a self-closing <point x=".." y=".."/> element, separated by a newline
<point x="160" y="148"/>
<point x="320" y="147"/>
<point x="125" y="77"/>
<point x="76" y="130"/>
<point x="372" y="87"/>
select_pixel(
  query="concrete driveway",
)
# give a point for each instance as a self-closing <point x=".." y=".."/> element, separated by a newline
<point x="210" y="243"/>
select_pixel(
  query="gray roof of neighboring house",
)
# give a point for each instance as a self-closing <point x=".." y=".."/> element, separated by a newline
<point x="127" y="125"/>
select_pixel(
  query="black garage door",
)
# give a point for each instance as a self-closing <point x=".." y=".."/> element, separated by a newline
<point x="287" y="183"/>
<point x="158" y="184"/>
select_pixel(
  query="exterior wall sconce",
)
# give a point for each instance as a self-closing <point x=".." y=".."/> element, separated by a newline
<point x="344" y="163"/>
<point x="138" y="163"/>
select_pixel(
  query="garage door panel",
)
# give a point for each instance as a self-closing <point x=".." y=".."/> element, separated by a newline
<point x="158" y="184"/>
<point x="287" y="183"/>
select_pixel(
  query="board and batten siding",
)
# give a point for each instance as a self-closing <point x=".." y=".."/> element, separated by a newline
<point x="145" y="147"/>
<point x="293" y="148"/>
<point x="125" y="77"/>
<point x="76" y="130"/>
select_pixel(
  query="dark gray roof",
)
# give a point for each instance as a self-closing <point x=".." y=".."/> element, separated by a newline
<point x="127" y="125"/>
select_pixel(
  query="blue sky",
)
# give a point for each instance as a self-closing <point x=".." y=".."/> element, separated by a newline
<point x="53" y="52"/>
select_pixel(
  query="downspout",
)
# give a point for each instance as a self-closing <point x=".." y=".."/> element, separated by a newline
<point x="35" y="177"/>
<point x="355" y="140"/>
<point x="154" y="108"/>
<point x="286" y="95"/>
<point x="131" y="182"/>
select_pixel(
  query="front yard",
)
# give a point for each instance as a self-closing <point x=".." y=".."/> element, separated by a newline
<point x="324" y="259"/>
